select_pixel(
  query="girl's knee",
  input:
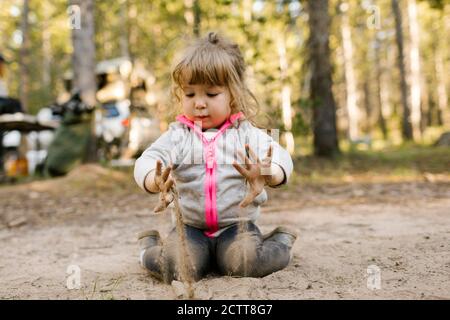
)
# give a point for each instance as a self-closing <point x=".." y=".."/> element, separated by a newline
<point x="251" y="258"/>
<point x="189" y="264"/>
<point x="239" y="259"/>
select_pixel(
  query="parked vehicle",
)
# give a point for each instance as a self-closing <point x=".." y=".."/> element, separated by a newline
<point x="25" y="139"/>
<point x="125" y="126"/>
<point x="69" y="145"/>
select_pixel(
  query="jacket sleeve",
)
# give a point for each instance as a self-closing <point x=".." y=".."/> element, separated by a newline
<point x="162" y="149"/>
<point x="260" y="141"/>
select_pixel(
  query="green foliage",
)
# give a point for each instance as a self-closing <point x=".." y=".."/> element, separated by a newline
<point x="157" y="30"/>
<point x="301" y="122"/>
<point x="437" y="4"/>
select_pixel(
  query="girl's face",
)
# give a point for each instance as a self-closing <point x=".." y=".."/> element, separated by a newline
<point x="209" y="105"/>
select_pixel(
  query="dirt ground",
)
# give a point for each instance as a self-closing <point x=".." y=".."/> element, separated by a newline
<point x="90" y="219"/>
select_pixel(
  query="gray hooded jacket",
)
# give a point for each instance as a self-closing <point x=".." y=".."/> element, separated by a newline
<point x="210" y="188"/>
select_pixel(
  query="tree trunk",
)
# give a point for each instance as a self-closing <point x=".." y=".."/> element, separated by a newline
<point x="406" y="121"/>
<point x="124" y="41"/>
<point x="83" y="61"/>
<point x="192" y="16"/>
<point x="24" y="57"/>
<point x="387" y="78"/>
<point x="425" y="105"/>
<point x="381" y="119"/>
<point x="46" y="50"/>
<point x="350" y="79"/>
<point x="197" y="16"/>
<point x="285" y="95"/>
<point x="415" y="69"/>
<point x="367" y="107"/>
<point x="24" y="61"/>
<point x="132" y="17"/>
<point x="247" y="11"/>
<point x="324" y="108"/>
<point x="442" y="97"/>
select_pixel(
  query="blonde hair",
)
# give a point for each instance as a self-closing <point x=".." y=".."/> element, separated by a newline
<point x="217" y="61"/>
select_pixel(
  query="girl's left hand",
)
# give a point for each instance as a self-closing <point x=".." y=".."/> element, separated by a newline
<point x="256" y="172"/>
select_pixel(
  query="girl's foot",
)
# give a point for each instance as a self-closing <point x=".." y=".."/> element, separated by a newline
<point x="148" y="239"/>
<point x="283" y="235"/>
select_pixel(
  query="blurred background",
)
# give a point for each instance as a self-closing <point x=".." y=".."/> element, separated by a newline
<point x="334" y="76"/>
<point x="358" y="90"/>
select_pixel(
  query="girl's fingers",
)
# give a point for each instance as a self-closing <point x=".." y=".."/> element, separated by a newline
<point x="168" y="184"/>
<point x="253" y="156"/>
<point x="244" y="159"/>
<point x="161" y="204"/>
<point x="158" y="168"/>
<point x="269" y="152"/>
<point x="166" y="173"/>
<point x="241" y="169"/>
<point x="240" y="156"/>
<point x="168" y="198"/>
<point x="165" y="199"/>
<point x="247" y="200"/>
<point x="247" y="162"/>
<point x="160" y="207"/>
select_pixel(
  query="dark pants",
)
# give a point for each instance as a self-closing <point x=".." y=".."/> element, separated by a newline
<point x="238" y="251"/>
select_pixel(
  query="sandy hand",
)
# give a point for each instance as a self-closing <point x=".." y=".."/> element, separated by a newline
<point x="256" y="172"/>
<point x="164" y="182"/>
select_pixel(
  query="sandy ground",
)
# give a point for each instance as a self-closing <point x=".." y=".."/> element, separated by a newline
<point x="89" y="220"/>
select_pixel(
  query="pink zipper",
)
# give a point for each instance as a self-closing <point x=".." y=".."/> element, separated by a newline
<point x="210" y="167"/>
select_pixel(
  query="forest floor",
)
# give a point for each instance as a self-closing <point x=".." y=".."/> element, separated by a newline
<point x="383" y="211"/>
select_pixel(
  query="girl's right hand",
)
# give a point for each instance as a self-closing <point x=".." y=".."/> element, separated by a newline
<point x="163" y="182"/>
<point x="257" y="173"/>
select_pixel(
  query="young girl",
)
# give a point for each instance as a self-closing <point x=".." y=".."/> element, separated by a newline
<point x="217" y="194"/>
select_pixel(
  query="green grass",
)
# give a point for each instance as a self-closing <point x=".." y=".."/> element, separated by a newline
<point x="404" y="162"/>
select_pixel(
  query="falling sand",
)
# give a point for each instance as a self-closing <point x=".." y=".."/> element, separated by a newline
<point x="186" y="266"/>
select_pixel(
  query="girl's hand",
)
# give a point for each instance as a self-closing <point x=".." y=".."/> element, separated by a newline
<point x="164" y="182"/>
<point x="257" y="173"/>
